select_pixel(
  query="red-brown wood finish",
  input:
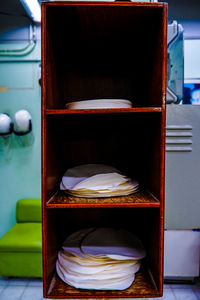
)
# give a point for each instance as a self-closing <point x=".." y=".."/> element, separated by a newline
<point x="139" y="199"/>
<point x="163" y="137"/>
<point x="103" y="110"/>
<point x="142" y="287"/>
<point x="104" y="50"/>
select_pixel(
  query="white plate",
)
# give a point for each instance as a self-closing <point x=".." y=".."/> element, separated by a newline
<point x="105" y="241"/>
<point x="99" y="103"/>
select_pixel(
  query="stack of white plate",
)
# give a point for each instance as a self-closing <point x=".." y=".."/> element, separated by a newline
<point x="96" y="180"/>
<point x="100" y="258"/>
<point x="99" y="103"/>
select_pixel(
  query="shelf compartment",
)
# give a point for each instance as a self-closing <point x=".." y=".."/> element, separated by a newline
<point x="103" y="111"/>
<point x="104" y="54"/>
<point x="140" y="199"/>
<point x="129" y="142"/>
<point x="143" y="286"/>
<point x="144" y="222"/>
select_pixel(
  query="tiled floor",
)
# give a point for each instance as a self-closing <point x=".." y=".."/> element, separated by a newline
<point x="31" y="289"/>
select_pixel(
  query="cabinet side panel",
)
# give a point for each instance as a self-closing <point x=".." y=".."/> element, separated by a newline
<point x="163" y="139"/>
<point x="43" y="150"/>
<point x="153" y="242"/>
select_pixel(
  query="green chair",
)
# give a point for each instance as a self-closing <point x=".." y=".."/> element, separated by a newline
<point x="21" y="246"/>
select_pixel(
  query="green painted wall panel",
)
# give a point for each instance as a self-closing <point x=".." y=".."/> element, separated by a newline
<point x="13" y="51"/>
<point x="17" y="75"/>
<point x="20" y="167"/>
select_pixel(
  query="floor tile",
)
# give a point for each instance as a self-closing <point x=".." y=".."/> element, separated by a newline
<point x="167" y="295"/>
<point x="1" y="288"/>
<point x="12" y="293"/>
<point x="167" y="286"/>
<point x="18" y="281"/>
<point x="35" y="282"/>
<point x="4" y="281"/>
<point x="32" y="293"/>
<point x="197" y="293"/>
<point x="182" y="286"/>
<point x="184" y="294"/>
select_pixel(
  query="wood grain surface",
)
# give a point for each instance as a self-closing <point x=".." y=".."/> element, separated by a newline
<point x="143" y="286"/>
<point x="140" y="199"/>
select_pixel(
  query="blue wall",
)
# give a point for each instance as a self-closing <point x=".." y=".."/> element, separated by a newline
<point x="20" y="175"/>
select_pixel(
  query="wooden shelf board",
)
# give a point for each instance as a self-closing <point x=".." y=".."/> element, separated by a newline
<point x="140" y="199"/>
<point x="143" y="286"/>
<point x="103" y="110"/>
<point x="102" y="3"/>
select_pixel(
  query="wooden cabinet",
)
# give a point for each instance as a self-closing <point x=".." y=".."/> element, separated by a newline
<point x="93" y="50"/>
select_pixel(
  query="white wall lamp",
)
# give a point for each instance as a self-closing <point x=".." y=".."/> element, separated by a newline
<point x="6" y="129"/>
<point x="23" y="128"/>
<point x="33" y="9"/>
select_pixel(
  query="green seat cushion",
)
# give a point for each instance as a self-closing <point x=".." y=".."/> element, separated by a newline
<point x="28" y="210"/>
<point x="22" y="237"/>
<point x="21" y="264"/>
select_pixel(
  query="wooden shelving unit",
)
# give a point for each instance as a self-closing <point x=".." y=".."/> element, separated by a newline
<point x="96" y="50"/>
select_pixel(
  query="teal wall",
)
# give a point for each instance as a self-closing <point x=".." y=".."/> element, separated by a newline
<point x="20" y="166"/>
